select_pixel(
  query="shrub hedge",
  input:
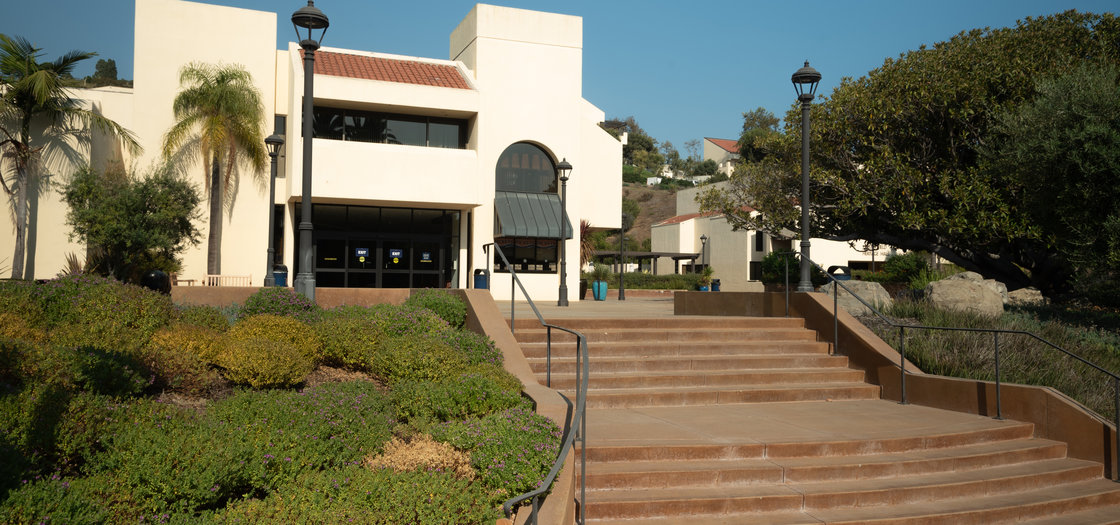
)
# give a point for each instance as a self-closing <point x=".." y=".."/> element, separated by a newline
<point x="447" y="306"/>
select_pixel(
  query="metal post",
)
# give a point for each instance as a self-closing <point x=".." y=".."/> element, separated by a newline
<point x="835" y="317"/>
<point x="787" y="285"/>
<point x="902" y="361"/>
<point x="548" y="357"/>
<point x="999" y="405"/>
<point x="806" y="284"/>
<point x="1116" y="423"/>
<point x="563" y="297"/>
<point x="304" y="282"/>
<point x="621" y="259"/>
<point x="269" y="277"/>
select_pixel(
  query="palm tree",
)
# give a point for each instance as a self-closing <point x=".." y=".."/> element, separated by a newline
<point x="218" y="114"/>
<point x="34" y="91"/>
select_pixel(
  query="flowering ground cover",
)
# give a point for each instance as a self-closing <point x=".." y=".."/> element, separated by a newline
<point x="117" y="406"/>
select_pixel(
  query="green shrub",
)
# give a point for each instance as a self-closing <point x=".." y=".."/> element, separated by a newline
<point x="286" y="433"/>
<point x="416" y="358"/>
<point x="774" y="268"/>
<point x="266" y="363"/>
<point x="348" y="341"/>
<point x="359" y="495"/>
<point x="161" y="459"/>
<point x="447" y="306"/>
<point x="407" y="320"/>
<point x="79" y="435"/>
<point x="904" y="267"/>
<point x="16" y="326"/>
<point x="179" y="358"/>
<point x="83" y="310"/>
<point x="475" y="348"/>
<point x="204" y="316"/>
<point x="24" y="298"/>
<point x="54" y="500"/>
<point x="280" y="301"/>
<point x="84" y="369"/>
<point x="469" y="395"/>
<point x="268" y="351"/>
<point x="512" y="451"/>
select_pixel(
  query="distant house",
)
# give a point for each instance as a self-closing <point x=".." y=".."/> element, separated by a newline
<point x="693" y="239"/>
<point x="725" y="152"/>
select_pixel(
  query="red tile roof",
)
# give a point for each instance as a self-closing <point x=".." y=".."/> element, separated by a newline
<point x="727" y="144"/>
<point x="682" y="218"/>
<point x="389" y="70"/>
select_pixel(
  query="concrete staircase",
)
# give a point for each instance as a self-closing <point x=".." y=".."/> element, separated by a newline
<point x="749" y="420"/>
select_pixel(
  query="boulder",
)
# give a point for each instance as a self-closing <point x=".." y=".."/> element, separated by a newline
<point x="995" y="285"/>
<point x="873" y="293"/>
<point x="966" y="295"/>
<point x="1027" y="296"/>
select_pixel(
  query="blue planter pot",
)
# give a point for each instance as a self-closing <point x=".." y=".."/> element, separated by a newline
<point x="599" y="290"/>
<point x="703" y="288"/>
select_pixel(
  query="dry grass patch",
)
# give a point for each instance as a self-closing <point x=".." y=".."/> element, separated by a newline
<point x="422" y="452"/>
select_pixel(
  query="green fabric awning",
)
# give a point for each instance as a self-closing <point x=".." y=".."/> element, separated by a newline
<point x="519" y="214"/>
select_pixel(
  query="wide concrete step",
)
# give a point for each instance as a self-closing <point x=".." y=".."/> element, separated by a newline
<point x="621" y="446"/>
<point x="691" y="322"/>
<point x="666" y="379"/>
<point x="689" y="335"/>
<point x="661" y="349"/>
<point x="691" y="501"/>
<point x="1083" y="503"/>
<point x="686" y="473"/>
<point x="597" y="365"/>
<point x="726" y="395"/>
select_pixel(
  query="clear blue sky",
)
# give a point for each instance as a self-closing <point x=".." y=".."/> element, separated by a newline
<point x="684" y="70"/>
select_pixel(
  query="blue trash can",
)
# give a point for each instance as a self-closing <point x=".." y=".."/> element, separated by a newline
<point x="280" y="275"/>
<point x="715" y="285"/>
<point x="482" y="279"/>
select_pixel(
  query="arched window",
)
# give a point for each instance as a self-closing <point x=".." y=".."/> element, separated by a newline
<point x="526" y="168"/>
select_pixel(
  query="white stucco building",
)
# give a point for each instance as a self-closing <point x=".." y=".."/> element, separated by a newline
<point x="736" y="256"/>
<point x="418" y="163"/>
<point x="724" y="152"/>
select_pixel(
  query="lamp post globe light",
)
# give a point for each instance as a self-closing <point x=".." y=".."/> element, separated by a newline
<point x="562" y="170"/>
<point x="311" y="19"/>
<point x="273" y="142"/>
<point x="805" y="83"/>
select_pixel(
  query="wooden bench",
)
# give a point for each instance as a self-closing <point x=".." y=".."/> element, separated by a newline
<point x="227" y="280"/>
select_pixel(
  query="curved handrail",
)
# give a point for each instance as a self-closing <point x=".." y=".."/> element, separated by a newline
<point x="995" y="331"/>
<point x="575" y="424"/>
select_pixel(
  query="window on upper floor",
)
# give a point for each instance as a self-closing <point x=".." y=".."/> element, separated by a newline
<point x="389" y="128"/>
<point x="525" y="168"/>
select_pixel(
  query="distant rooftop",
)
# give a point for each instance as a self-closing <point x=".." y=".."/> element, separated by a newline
<point x="389" y="70"/>
<point x="727" y="144"/>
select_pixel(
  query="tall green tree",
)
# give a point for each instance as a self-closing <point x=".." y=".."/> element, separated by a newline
<point x="37" y="114"/>
<point x="898" y="154"/>
<point x="131" y="225"/>
<point x="759" y="124"/>
<point x="218" y="115"/>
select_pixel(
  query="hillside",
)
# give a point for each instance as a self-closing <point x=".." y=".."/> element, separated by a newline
<point x="657" y="205"/>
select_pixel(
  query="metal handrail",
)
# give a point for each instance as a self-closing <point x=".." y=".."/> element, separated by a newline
<point x="994" y="331"/>
<point x="575" y="425"/>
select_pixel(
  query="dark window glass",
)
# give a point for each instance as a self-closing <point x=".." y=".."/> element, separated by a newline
<point x="362" y="254"/>
<point x="365" y="218"/>
<point x="528" y="255"/>
<point x="328" y="123"/>
<point x="330" y="279"/>
<point x="395" y="256"/>
<point x="425" y="280"/>
<point x="362" y="126"/>
<point x="329" y="217"/>
<point x="759" y="242"/>
<point x="429" y="221"/>
<point x="526" y="168"/>
<point x="280" y="124"/>
<point x="410" y="132"/>
<point x="396" y="220"/>
<point x="425" y="256"/>
<point x="444" y="135"/>
<point x="330" y="253"/>
<point x="394" y="280"/>
<point x="362" y="280"/>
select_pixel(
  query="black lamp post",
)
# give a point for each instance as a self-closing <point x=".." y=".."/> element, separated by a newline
<point x="703" y="250"/>
<point x="621" y="258"/>
<point x="562" y="171"/>
<point x="273" y="142"/>
<point x="311" y="19"/>
<point x="805" y="83"/>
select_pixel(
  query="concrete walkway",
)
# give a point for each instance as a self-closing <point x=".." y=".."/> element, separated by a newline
<point x="639" y="304"/>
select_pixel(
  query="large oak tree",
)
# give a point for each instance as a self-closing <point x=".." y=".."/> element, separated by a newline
<point x="908" y="154"/>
